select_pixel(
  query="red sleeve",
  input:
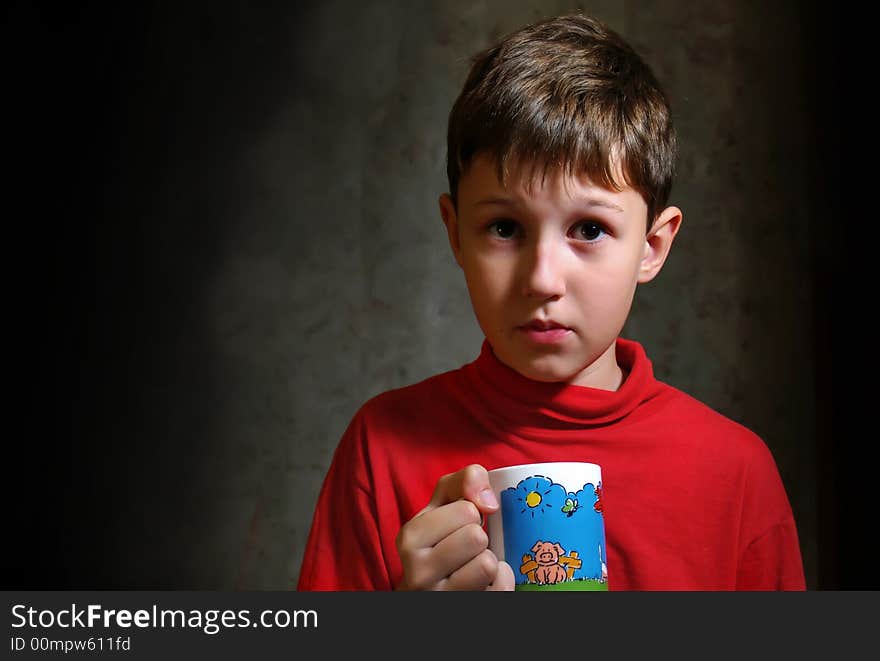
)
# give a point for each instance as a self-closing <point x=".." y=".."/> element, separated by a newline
<point x="344" y="550"/>
<point x="770" y="555"/>
<point x="772" y="561"/>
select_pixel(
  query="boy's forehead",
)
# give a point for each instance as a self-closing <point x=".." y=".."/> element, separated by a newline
<point x="525" y="181"/>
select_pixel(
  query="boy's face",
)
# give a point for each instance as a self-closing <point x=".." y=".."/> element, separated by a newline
<point x="552" y="268"/>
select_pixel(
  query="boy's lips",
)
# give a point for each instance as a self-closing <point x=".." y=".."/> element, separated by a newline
<point x="543" y="324"/>
<point x="544" y="331"/>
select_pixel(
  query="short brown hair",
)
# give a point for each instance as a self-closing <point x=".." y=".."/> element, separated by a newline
<point x="566" y="92"/>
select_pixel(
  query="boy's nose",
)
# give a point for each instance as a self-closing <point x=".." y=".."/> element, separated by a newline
<point x="543" y="273"/>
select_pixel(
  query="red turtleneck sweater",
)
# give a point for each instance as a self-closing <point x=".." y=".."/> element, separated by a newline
<point x="692" y="500"/>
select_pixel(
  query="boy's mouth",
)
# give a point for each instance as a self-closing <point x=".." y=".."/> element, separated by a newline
<point x="544" y="331"/>
<point x="542" y="324"/>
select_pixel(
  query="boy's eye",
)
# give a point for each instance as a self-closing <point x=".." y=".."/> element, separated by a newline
<point x="503" y="229"/>
<point x="588" y="231"/>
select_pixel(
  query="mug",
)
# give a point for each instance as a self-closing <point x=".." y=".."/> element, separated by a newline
<point x="550" y="527"/>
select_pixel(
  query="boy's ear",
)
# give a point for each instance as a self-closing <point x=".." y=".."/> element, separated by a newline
<point x="450" y="219"/>
<point x="658" y="242"/>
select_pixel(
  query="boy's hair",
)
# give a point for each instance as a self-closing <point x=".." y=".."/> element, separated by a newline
<point x="568" y="93"/>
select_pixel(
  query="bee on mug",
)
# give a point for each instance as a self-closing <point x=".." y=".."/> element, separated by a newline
<point x="571" y="506"/>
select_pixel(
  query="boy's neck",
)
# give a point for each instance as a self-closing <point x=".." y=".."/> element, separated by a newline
<point x="619" y="378"/>
<point x="612" y="382"/>
<point x="605" y="373"/>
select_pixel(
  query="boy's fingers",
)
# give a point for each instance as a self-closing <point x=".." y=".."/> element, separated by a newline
<point x="476" y="574"/>
<point x="470" y="483"/>
<point x="432" y="526"/>
<point x="504" y="580"/>
<point x="444" y="565"/>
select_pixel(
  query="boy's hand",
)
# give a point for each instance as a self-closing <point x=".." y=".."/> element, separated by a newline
<point x="444" y="547"/>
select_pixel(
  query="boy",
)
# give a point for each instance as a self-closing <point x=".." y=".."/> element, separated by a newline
<point x="560" y="162"/>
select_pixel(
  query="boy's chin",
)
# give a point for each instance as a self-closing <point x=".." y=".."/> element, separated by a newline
<point x="562" y="365"/>
<point x="567" y="369"/>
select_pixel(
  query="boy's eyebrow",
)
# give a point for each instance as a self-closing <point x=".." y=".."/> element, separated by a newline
<point x="589" y="201"/>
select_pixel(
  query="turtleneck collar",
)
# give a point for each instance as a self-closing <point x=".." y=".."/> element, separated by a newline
<point x="535" y="407"/>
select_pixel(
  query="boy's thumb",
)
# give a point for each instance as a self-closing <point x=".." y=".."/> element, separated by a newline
<point x="470" y="483"/>
<point x="477" y="489"/>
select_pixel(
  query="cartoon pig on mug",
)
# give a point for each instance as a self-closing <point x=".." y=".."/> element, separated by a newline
<point x="549" y="570"/>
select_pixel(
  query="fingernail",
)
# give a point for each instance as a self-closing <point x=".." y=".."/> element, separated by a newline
<point x="487" y="497"/>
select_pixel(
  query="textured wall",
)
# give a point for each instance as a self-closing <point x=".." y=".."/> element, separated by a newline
<point x="268" y="255"/>
<point x="340" y="285"/>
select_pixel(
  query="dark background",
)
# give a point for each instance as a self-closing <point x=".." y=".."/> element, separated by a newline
<point x="845" y="357"/>
<point x="104" y="319"/>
